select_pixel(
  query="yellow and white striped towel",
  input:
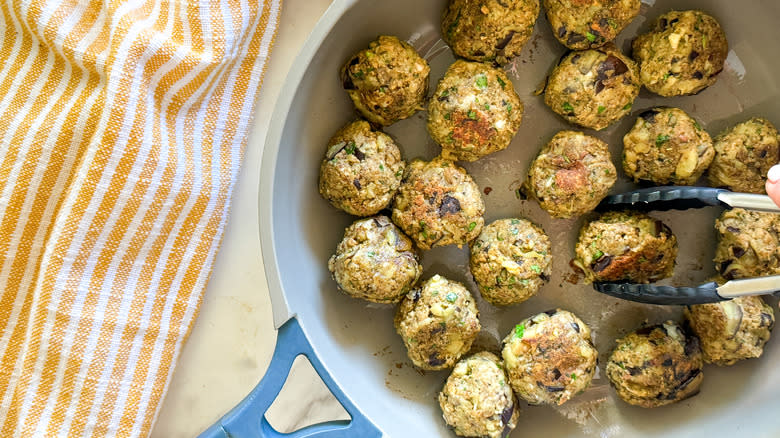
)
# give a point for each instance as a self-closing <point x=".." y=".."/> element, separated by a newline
<point x="122" y="127"/>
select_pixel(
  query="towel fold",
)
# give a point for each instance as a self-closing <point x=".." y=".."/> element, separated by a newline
<point x="122" y="128"/>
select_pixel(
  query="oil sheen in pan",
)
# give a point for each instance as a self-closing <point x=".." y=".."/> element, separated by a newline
<point x="500" y="175"/>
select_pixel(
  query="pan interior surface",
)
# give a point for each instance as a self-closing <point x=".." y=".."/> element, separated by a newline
<point x="356" y="340"/>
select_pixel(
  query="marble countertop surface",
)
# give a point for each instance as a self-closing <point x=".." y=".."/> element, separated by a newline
<point x="232" y="340"/>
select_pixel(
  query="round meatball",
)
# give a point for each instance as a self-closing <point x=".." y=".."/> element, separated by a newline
<point x="361" y="171"/>
<point x="375" y="261"/>
<point x="748" y="244"/>
<point x="682" y="54"/>
<point x="731" y="330"/>
<point x="474" y="112"/>
<point x="656" y="366"/>
<point x="550" y="357"/>
<point x="476" y="401"/>
<point x="571" y="174"/>
<point x="510" y="260"/>
<point x="438" y="204"/>
<point x="743" y="156"/>
<point x="489" y="30"/>
<point x="437" y="322"/>
<point x="593" y="88"/>
<point x="666" y="146"/>
<point x="626" y="246"/>
<point x="387" y="82"/>
<point x="581" y="25"/>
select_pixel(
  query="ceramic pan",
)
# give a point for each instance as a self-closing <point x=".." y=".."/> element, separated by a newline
<point x="353" y="344"/>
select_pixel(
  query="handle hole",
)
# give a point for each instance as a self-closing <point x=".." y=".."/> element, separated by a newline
<point x="304" y="400"/>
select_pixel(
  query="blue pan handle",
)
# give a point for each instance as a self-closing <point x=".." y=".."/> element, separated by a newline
<point x="247" y="419"/>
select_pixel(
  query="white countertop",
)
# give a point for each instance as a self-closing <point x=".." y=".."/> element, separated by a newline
<point x="232" y="340"/>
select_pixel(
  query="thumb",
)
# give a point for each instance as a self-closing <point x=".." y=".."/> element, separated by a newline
<point x="773" y="183"/>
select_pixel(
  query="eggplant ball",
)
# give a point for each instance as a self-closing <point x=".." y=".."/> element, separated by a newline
<point x="581" y="25"/>
<point x="474" y="111"/>
<point x="732" y="330"/>
<point x="387" y="82"/>
<point x="667" y="146"/>
<point x="361" y="171"/>
<point x="437" y="322"/>
<point x="550" y="357"/>
<point x="656" y="366"/>
<point x="682" y="54"/>
<point x="743" y="156"/>
<point x="375" y="261"/>
<point x="476" y="401"/>
<point x="748" y="244"/>
<point x="438" y="204"/>
<point x="571" y="174"/>
<point x="489" y="30"/>
<point x="593" y="88"/>
<point x="626" y="246"/>
<point x="510" y="260"/>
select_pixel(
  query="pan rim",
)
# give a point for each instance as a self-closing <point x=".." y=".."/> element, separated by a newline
<point x="268" y="161"/>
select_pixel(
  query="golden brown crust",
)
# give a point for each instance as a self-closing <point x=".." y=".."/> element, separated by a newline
<point x="438" y="323"/>
<point x="748" y="244"/>
<point x="732" y="330"/>
<point x="683" y="54"/>
<point x="571" y="175"/>
<point x="510" y="260"/>
<point x="438" y="204"/>
<point x="656" y="366"/>
<point x="361" y="171"/>
<point x="743" y="156"/>
<point x="626" y="246"/>
<point x="593" y="88"/>
<point x="666" y="146"/>
<point x="550" y="357"/>
<point x="475" y="111"/>
<point x="584" y="24"/>
<point x="477" y="400"/>
<point x="387" y="81"/>
<point x="488" y="30"/>
<point x="375" y="261"/>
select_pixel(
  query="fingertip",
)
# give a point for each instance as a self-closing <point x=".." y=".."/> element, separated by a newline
<point x="774" y="174"/>
<point x="773" y="190"/>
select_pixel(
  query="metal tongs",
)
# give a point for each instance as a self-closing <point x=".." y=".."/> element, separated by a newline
<point x="683" y="198"/>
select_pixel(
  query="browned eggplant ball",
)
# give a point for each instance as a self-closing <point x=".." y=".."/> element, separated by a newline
<point x="585" y="24"/>
<point x="593" y="88"/>
<point x="361" y="171"/>
<point x="682" y="54"/>
<point x="656" y="366"/>
<point x="387" y="82"/>
<point x="732" y="330"/>
<point x="550" y="357"/>
<point x="571" y="174"/>
<point x="438" y="323"/>
<point x="627" y="246"/>
<point x="476" y="400"/>
<point x="748" y="244"/>
<point x="438" y="204"/>
<point x="375" y="261"/>
<point x="743" y="156"/>
<point x="510" y="260"/>
<point x="488" y="30"/>
<point x="666" y="146"/>
<point x="474" y="111"/>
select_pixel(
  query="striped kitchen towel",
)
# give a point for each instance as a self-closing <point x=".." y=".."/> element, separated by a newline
<point x="123" y="124"/>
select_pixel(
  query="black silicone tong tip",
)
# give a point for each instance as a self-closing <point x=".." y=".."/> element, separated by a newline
<point x="663" y="295"/>
<point x="663" y="198"/>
